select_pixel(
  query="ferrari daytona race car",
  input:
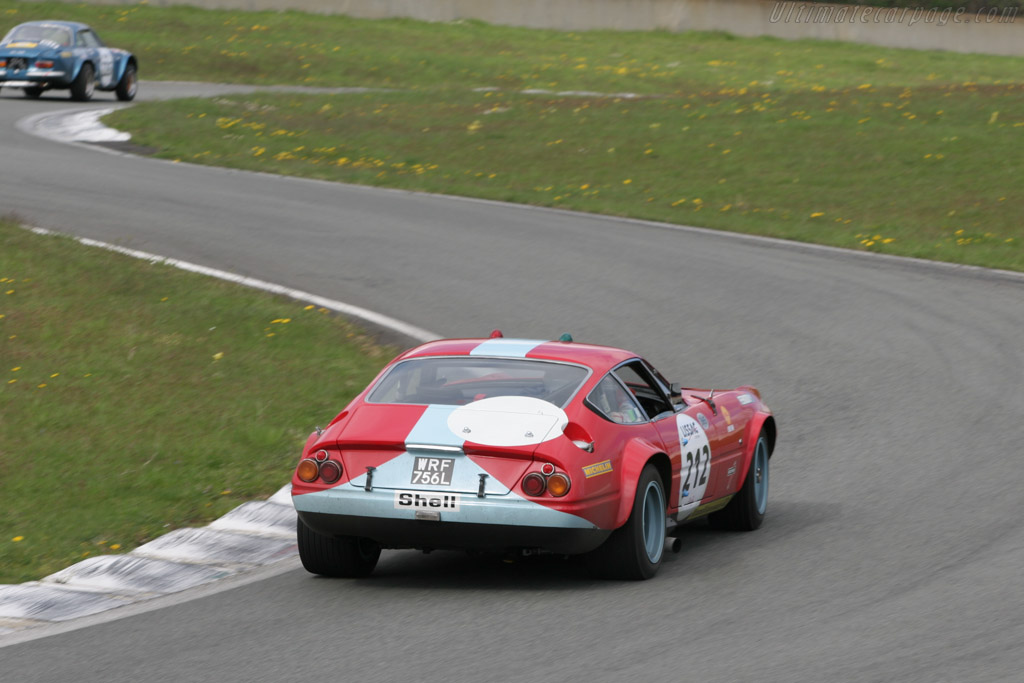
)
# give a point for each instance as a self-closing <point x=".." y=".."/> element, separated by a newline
<point x="64" y="55"/>
<point x="517" y="445"/>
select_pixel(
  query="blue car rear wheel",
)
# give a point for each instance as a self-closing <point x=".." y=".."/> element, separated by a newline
<point x="84" y="84"/>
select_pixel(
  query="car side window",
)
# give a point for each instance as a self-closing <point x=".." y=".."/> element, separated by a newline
<point x="639" y="381"/>
<point x="611" y="400"/>
<point x="88" y="39"/>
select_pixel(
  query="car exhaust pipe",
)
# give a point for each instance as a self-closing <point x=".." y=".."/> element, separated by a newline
<point x="673" y="544"/>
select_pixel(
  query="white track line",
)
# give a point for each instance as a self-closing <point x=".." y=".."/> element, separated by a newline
<point x="417" y="333"/>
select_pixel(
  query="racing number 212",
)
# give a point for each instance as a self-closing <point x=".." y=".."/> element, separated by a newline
<point x="693" y="468"/>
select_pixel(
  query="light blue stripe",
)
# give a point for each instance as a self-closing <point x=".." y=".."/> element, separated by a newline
<point x="432" y="428"/>
<point x="507" y="348"/>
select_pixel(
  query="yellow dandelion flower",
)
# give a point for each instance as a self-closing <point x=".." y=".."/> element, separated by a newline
<point x="627" y="181"/>
<point x="817" y="214"/>
<point x="115" y="546"/>
<point x="218" y="355"/>
<point x="17" y="539"/>
<point x="309" y="307"/>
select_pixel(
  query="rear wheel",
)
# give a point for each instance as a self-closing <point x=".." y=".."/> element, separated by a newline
<point x="345" y="557"/>
<point x="33" y="92"/>
<point x="634" y="551"/>
<point x="745" y="512"/>
<point x="128" y="85"/>
<point x="84" y="84"/>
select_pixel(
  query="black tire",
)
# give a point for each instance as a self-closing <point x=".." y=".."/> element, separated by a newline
<point x="33" y="93"/>
<point x="344" y="557"/>
<point x="128" y="85"/>
<point x="635" y="550"/>
<point x="746" y="511"/>
<point x="84" y="84"/>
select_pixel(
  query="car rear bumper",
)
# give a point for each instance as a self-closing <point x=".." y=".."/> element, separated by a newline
<point x="493" y="523"/>
<point x="48" y="80"/>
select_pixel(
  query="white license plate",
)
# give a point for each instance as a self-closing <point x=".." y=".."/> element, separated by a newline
<point x="428" y="471"/>
<point x="427" y="500"/>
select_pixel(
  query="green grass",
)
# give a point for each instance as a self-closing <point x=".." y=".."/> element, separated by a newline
<point x="925" y="173"/>
<point x="908" y="152"/>
<point x="136" y="398"/>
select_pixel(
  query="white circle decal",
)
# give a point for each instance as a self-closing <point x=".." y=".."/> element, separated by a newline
<point x="695" y="450"/>
<point x="508" y="421"/>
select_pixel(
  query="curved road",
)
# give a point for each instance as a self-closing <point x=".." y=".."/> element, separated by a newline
<point x="892" y="549"/>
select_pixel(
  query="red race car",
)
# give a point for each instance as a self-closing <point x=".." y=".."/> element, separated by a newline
<point x="524" y="446"/>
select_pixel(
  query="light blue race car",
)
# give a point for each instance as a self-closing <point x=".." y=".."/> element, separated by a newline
<point x="65" y="55"/>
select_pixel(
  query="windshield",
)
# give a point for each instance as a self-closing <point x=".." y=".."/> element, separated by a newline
<point x="463" y="379"/>
<point x="39" y="33"/>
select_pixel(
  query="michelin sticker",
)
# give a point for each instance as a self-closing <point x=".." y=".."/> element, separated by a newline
<point x="695" y="450"/>
<point x="597" y="468"/>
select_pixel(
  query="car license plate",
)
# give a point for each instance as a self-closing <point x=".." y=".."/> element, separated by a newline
<point x="433" y="471"/>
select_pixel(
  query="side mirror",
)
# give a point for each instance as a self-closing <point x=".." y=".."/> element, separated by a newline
<point x="675" y="390"/>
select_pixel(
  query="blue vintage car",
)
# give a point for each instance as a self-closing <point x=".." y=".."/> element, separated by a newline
<point x="65" y="55"/>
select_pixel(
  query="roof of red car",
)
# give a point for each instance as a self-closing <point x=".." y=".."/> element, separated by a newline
<point x="590" y="355"/>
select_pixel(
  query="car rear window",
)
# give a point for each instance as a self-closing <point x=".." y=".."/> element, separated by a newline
<point x="38" y="33"/>
<point x="463" y="379"/>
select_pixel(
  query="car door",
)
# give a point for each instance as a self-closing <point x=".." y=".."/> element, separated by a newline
<point x="647" y="389"/>
<point x="100" y="56"/>
<point x="698" y="431"/>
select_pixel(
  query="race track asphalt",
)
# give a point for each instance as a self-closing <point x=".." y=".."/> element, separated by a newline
<point x="892" y="550"/>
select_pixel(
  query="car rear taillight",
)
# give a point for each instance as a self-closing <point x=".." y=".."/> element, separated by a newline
<point x="558" y="484"/>
<point x="547" y="480"/>
<point x="308" y="470"/>
<point x="330" y="471"/>
<point x="44" y="64"/>
<point x="534" y="484"/>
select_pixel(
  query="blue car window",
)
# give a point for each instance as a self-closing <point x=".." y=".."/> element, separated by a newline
<point x="88" y="39"/>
